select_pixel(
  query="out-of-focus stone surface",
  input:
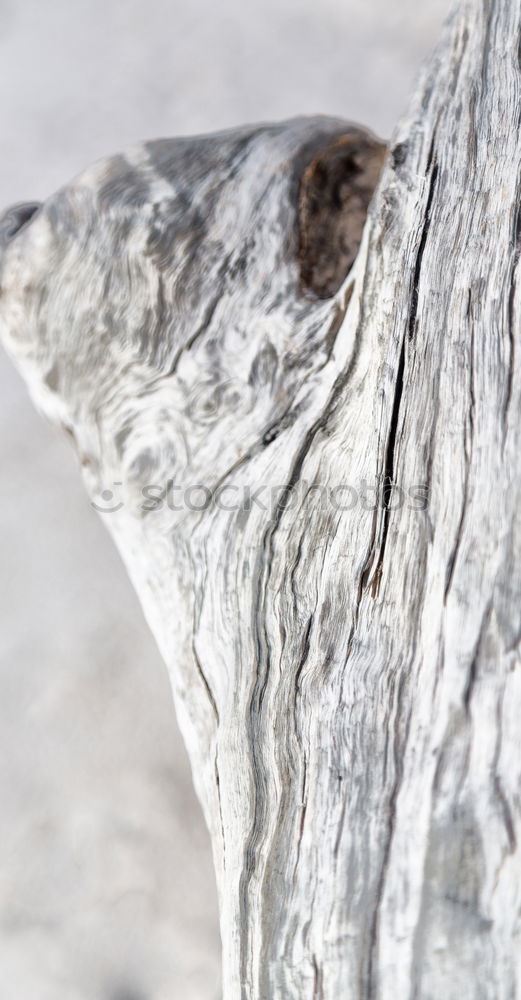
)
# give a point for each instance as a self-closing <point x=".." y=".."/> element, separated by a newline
<point x="106" y="886"/>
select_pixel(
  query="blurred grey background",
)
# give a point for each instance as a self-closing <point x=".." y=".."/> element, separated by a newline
<point x="106" y="885"/>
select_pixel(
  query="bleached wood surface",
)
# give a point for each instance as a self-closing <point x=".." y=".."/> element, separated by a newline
<point x="347" y="679"/>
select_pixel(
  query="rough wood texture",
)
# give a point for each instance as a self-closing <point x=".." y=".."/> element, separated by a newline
<point x="346" y="672"/>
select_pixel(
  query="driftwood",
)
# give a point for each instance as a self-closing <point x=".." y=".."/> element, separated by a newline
<point x="313" y="479"/>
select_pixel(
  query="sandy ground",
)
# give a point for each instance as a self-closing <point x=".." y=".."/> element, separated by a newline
<point x="106" y="886"/>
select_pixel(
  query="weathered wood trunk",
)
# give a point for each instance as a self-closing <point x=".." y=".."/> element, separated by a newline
<point x="339" y="602"/>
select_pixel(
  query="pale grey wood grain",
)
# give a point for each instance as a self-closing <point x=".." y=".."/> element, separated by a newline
<point x="347" y="679"/>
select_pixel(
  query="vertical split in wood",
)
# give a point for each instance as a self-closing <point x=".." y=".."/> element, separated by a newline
<point x="340" y="615"/>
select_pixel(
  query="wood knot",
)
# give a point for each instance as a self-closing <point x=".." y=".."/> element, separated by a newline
<point x="335" y="191"/>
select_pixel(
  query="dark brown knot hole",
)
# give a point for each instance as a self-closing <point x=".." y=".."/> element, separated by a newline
<point x="335" y="191"/>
